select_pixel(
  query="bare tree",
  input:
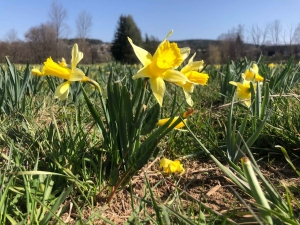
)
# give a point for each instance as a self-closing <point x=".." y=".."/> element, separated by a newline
<point x="289" y="37"/>
<point x="275" y="30"/>
<point x="57" y="15"/>
<point x="83" y="25"/>
<point x="297" y="34"/>
<point x="41" y="41"/>
<point x="12" y="36"/>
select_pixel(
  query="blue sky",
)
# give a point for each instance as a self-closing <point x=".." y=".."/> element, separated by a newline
<point x="190" y="19"/>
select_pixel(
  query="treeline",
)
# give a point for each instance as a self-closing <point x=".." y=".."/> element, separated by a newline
<point x="47" y="39"/>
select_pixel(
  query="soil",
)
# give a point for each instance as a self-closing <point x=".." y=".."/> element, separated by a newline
<point x="202" y="185"/>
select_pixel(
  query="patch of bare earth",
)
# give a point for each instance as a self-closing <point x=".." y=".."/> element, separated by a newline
<point x="202" y="182"/>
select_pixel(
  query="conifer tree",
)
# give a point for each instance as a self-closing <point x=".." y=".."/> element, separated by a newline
<point x="121" y="49"/>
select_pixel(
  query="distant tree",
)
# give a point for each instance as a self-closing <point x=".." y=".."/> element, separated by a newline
<point x="289" y="37"/>
<point x="275" y="31"/>
<point x="83" y="25"/>
<point x="12" y="36"/>
<point x="41" y="41"/>
<point x="13" y="46"/>
<point x="121" y="49"/>
<point x="231" y="43"/>
<point x="57" y="15"/>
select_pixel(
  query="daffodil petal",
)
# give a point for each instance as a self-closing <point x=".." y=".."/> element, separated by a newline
<point x="76" y="75"/>
<point x="188" y="99"/>
<point x="192" y="66"/>
<point x="144" y="56"/>
<point x="192" y="58"/>
<point x="142" y="73"/>
<point x="174" y="76"/>
<point x="76" y="56"/>
<point x="185" y="52"/>
<point x="62" y="90"/>
<point x="233" y="83"/>
<point x="158" y="87"/>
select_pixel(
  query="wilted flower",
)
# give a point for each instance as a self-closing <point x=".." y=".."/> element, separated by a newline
<point x="161" y="122"/>
<point x="60" y="70"/>
<point x="253" y="75"/>
<point x="243" y="91"/>
<point x="161" y="66"/>
<point x="168" y="166"/>
<point x="191" y="72"/>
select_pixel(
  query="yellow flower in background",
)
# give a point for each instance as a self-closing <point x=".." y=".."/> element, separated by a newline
<point x="271" y="65"/>
<point x="63" y="62"/>
<point x="252" y="74"/>
<point x="161" y="66"/>
<point x="243" y="91"/>
<point x="161" y="122"/>
<point x="191" y="72"/>
<point x="60" y="70"/>
<point x="168" y="166"/>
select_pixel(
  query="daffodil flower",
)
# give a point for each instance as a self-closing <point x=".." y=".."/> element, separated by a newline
<point x="60" y="70"/>
<point x="243" y="91"/>
<point x="161" y="122"/>
<point x="253" y="75"/>
<point x="168" y="166"/>
<point x="271" y="65"/>
<point x="161" y="66"/>
<point x="191" y="72"/>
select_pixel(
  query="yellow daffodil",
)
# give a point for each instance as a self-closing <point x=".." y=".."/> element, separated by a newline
<point x="168" y="166"/>
<point x="243" y="91"/>
<point x="191" y="72"/>
<point x="271" y="65"/>
<point x="161" y="122"/>
<point x="161" y="66"/>
<point x="253" y="75"/>
<point x="60" y="70"/>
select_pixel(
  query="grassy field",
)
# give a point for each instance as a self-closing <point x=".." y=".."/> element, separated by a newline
<point x="94" y="158"/>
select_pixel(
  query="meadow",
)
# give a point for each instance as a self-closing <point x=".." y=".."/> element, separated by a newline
<point x="95" y="156"/>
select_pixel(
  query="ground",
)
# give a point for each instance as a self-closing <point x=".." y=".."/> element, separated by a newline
<point x="202" y="182"/>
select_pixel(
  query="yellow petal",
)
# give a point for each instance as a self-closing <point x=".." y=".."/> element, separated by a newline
<point x="188" y="99"/>
<point x="158" y="87"/>
<point x="174" y="76"/>
<point x="161" y="122"/>
<point x="192" y="58"/>
<point x="192" y="66"/>
<point x="76" y="56"/>
<point x="143" y="73"/>
<point x="197" y="78"/>
<point x="62" y="90"/>
<point x="254" y="68"/>
<point x="185" y="52"/>
<point x="144" y="56"/>
<point x="76" y="75"/>
<point x="233" y="83"/>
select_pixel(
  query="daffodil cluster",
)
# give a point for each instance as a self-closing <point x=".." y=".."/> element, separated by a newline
<point x="243" y="88"/>
<point x="162" y="66"/>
